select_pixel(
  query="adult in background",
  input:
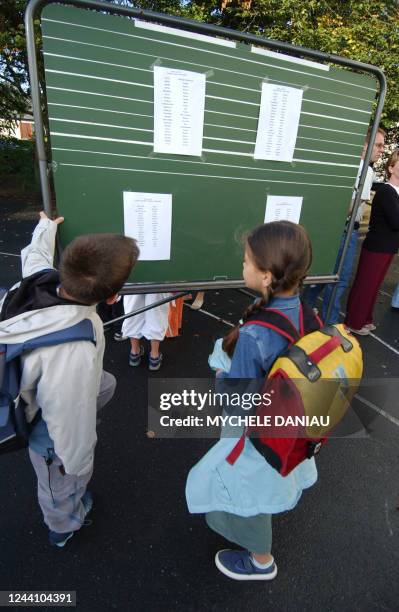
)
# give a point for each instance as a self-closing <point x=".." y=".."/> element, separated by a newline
<point x="378" y="250"/>
<point x="311" y="293"/>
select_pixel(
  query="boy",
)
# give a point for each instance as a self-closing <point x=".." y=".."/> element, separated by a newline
<point x="65" y="381"/>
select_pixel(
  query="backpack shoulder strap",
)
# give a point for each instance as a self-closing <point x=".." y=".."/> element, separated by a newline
<point x="309" y="321"/>
<point x="277" y="321"/>
<point x="81" y="331"/>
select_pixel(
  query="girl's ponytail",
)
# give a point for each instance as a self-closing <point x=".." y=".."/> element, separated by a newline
<point x="231" y="338"/>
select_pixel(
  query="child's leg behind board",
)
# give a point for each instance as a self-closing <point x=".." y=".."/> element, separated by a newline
<point x="155" y="348"/>
<point x="156" y="321"/>
<point x="133" y="326"/>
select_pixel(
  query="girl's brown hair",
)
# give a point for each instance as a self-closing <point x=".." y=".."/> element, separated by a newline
<point x="284" y="249"/>
<point x="392" y="159"/>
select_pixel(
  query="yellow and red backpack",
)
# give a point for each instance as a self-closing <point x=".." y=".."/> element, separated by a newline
<point x="313" y="380"/>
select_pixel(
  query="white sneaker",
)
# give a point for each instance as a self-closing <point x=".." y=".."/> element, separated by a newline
<point x="370" y="326"/>
<point x="364" y="331"/>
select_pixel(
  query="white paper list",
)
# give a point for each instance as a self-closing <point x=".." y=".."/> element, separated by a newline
<point x="148" y="219"/>
<point x="283" y="208"/>
<point x="179" y="102"/>
<point x="279" y="114"/>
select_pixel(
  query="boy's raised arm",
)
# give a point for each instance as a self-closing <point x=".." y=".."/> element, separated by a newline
<point x="39" y="254"/>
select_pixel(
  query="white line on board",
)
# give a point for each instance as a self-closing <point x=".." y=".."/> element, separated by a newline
<point x="83" y="59"/>
<point x="111" y="125"/>
<point x="110" y="110"/>
<point x="193" y="161"/>
<point x="335" y="118"/>
<point x="217" y="151"/>
<point x="10" y="254"/>
<point x="98" y="78"/>
<point x="95" y="93"/>
<point x="207" y="176"/>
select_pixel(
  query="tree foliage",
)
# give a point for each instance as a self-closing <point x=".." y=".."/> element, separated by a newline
<point x="367" y="31"/>
<point x="14" y="90"/>
<point x="364" y="30"/>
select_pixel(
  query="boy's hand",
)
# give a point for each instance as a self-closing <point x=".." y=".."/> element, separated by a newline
<point x="57" y="221"/>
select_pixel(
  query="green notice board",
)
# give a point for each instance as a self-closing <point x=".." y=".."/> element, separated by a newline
<point x="100" y="93"/>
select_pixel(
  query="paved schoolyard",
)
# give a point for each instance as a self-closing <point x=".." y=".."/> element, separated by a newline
<point x="338" y="550"/>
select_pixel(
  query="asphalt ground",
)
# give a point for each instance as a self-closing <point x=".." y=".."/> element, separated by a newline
<point x="337" y="550"/>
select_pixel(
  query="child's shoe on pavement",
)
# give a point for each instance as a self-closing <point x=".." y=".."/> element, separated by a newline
<point x="238" y="564"/>
<point x="154" y="363"/>
<point x="135" y="358"/>
<point x="119" y="337"/>
<point x="59" y="539"/>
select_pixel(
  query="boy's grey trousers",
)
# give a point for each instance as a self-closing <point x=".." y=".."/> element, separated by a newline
<point x="59" y="493"/>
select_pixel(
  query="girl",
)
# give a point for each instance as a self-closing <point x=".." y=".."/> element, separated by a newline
<point x="239" y="499"/>
<point x="378" y="251"/>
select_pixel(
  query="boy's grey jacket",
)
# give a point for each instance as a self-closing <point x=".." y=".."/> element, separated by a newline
<point x="62" y="380"/>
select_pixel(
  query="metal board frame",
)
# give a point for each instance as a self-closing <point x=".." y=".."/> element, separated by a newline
<point x="33" y="11"/>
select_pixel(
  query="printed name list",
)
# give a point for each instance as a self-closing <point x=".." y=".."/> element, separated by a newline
<point x="148" y="219"/>
<point x="279" y="114"/>
<point x="179" y="101"/>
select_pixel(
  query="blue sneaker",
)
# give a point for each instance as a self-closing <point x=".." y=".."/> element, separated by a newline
<point x="154" y="363"/>
<point x="135" y="358"/>
<point x="59" y="539"/>
<point x="237" y="564"/>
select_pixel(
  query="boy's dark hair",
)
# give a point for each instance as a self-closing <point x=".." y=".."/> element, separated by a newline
<point x="284" y="249"/>
<point x="95" y="266"/>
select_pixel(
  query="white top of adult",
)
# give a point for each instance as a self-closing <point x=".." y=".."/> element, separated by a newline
<point x="365" y="191"/>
